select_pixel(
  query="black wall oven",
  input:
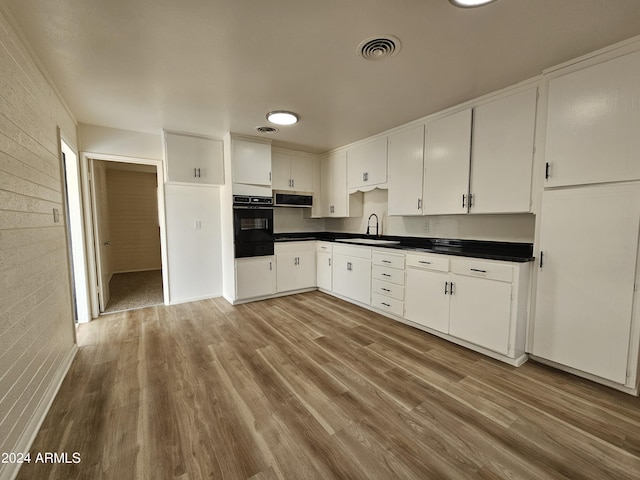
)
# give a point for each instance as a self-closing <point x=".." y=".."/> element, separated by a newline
<point x="253" y="226"/>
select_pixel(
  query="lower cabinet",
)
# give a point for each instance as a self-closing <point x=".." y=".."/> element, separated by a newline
<point x="255" y="277"/>
<point x="296" y="266"/>
<point x="427" y="291"/>
<point x="324" y="268"/>
<point x="351" y="274"/>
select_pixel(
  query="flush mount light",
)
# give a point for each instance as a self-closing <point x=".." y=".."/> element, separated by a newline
<point x="470" y="3"/>
<point x="282" y="117"/>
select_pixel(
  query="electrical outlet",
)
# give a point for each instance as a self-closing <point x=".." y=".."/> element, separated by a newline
<point x="197" y="224"/>
<point x="426" y="225"/>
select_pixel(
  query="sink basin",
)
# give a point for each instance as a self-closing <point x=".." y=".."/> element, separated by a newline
<point x="368" y="241"/>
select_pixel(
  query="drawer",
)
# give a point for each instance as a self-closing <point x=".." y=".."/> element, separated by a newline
<point x="352" y="251"/>
<point x="387" y="304"/>
<point x="387" y="289"/>
<point x="388" y="259"/>
<point x="478" y="268"/>
<point x="324" y="247"/>
<point x="387" y="274"/>
<point x="428" y="262"/>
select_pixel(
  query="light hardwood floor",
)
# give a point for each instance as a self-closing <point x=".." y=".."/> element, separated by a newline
<point x="310" y="387"/>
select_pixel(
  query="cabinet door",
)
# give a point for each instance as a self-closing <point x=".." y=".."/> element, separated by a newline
<point x="425" y="301"/>
<point x="306" y="270"/>
<point x="286" y="272"/>
<point x="251" y="163"/>
<point x="406" y="165"/>
<point x="367" y="163"/>
<point x="341" y="275"/>
<point x="301" y="174"/>
<point x="194" y="159"/>
<point x="281" y="170"/>
<point x="481" y="312"/>
<point x="360" y="282"/>
<point x="324" y="270"/>
<point x="593" y="123"/>
<point x="446" y="163"/>
<point x="334" y="185"/>
<point x="255" y="277"/>
<point x="503" y="134"/>
<point x="584" y="300"/>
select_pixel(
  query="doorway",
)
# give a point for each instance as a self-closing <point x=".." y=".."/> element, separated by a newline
<point x="128" y="238"/>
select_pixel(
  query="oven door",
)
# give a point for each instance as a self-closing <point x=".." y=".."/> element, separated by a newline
<point x="252" y="224"/>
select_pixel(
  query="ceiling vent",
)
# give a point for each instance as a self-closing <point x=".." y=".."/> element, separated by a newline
<point x="267" y="129"/>
<point x="379" y="47"/>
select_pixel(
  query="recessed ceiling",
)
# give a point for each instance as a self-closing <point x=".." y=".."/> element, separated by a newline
<point x="212" y="66"/>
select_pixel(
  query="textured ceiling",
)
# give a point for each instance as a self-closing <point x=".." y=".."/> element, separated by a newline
<point x="212" y="66"/>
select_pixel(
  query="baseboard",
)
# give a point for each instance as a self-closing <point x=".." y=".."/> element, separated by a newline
<point x="29" y="435"/>
<point x="195" y="299"/>
<point x="139" y="270"/>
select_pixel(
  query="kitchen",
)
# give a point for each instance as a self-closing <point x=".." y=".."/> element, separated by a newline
<point x="348" y="190"/>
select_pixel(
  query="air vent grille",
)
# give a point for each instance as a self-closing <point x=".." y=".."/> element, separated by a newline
<point x="266" y="129"/>
<point x="379" y="47"/>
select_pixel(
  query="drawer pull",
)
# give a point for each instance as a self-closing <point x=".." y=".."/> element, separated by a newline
<point x="385" y="289"/>
<point x="386" y="261"/>
<point x="478" y="270"/>
<point x="386" y="304"/>
<point x="386" y="275"/>
<point x="422" y="261"/>
<point x="446" y="288"/>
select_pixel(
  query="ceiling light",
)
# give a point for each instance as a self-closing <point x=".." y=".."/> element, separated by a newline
<point x="470" y="3"/>
<point x="281" y="117"/>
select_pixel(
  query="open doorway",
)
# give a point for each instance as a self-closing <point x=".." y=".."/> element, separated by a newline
<point x="126" y="205"/>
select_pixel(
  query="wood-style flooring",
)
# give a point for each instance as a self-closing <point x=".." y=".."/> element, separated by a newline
<point x="311" y="387"/>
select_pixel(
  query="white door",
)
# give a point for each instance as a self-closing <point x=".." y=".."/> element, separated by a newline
<point x="446" y="164"/>
<point x="281" y="168"/>
<point x="251" y="163"/>
<point x="306" y="270"/>
<point x="360" y="282"/>
<point x="367" y="163"/>
<point x="588" y="243"/>
<point x="301" y="174"/>
<point x="255" y="277"/>
<point x="101" y="231"/>
<point x="593" y="122"/>
<point x="481" y="312"/>
<point x="340" y="275"/>
<point x="286" y="272"/>
<point x="503" y="134"/>
<point x="324" y="270"/>
<point x="427" y="299"/>
<point x="406" y="165"/>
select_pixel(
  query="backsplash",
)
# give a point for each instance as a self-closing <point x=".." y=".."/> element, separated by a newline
<point x="294" y="219"/>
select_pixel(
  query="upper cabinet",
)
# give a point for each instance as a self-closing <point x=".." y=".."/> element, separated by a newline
<point x="251" y="162"/>
<point x="193" y="159"/>
<point x="446" y="164"/>
<point x="367" y="165"/>
<point x="336" y="202"/>
<point x="593" y="122"/>
<point x="406" y="157"/>
<point x="292" y="172"/>
<point x="502" y="156"/>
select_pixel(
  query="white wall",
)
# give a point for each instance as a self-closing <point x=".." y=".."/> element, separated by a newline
<point x="113" y="141"/>
<point x="293" y="219"/>
<point x="193" y="242"/>
<point x="505" y="228"/>
<point x="37" y="341"/>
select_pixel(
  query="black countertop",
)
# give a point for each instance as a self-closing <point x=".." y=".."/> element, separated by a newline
<point x="507" y="251"/>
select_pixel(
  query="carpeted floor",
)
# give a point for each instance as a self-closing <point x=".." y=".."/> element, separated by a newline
<point x="133" y="290"/>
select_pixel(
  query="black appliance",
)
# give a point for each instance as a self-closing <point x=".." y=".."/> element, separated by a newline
<point x="252" y="226"/>
<point x="290" y="199"/>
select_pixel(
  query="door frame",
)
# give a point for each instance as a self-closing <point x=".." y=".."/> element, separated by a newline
<point x="88" y="213"/>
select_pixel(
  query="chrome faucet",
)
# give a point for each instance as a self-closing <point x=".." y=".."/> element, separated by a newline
<point x="377" y="224"/>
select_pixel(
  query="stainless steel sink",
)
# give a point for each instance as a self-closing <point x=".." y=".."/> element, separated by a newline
<point x="368" y="241"/>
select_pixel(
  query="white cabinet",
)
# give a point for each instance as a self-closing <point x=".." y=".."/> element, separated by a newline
<point x="427" y="291"/>
<point x="388" y="279"/>
<point x="367" y="164"/>
<point x="502" y="157"/>
<point x="295" y="266"/>
<point x="593" y="122"/>
<point x="292" y="172"/>
<point x="255" y="277"/>
<point x="336" y="202"/>
<point x="251" y="162"/>
<point x="324" y="265"/>
<point x="446" y="163"/>
<point x="352" y="273"/>
<point x="193" y="159"/>
<point x="585" y="287"/>
<point x="406" y="165"/>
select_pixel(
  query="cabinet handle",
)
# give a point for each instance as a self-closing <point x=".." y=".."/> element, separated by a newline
<point x="329" y="262"/>
<point x="293" y="182"/>
<point x="385" y="289"/>
<point x="386" y="275"/>
<point x="348" y="266"/>
<point x="385" y="304"/>
<point x="419" y="203"/>
<point x="464" y="197"/>
<point x="426" y="263"/>
<point x="269" y="176"/>
<point x="546" y="170"/>
<point x="478" y="270"/>
<point x="386" y="261"/>
<point x="446" y="287"/>
<point x="195" y="173"/>
<point x="270" y="266"/>
<point x="451" y="289"/>
<point x="470" y="200"/>
<point x="541" y="257"/>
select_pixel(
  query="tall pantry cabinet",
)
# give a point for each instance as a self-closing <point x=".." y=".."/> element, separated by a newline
<point x="586" y="308"/>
